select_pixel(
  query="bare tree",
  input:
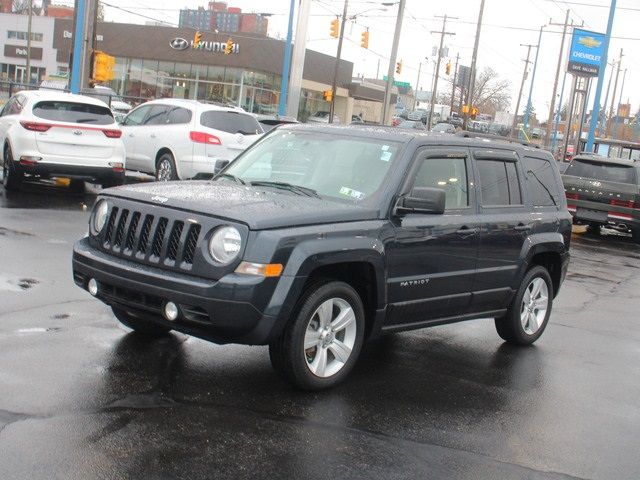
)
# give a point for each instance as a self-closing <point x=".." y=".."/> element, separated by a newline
<point x="491" y="93"/>
<point x="20" y="6"/>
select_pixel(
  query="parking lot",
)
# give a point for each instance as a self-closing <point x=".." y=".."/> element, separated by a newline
<point x="81" y="397"/>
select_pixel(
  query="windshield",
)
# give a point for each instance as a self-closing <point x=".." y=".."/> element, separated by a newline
<point x="340" y="167"/>
<point x="609" y="172"/>
<point x="73" y="112"/>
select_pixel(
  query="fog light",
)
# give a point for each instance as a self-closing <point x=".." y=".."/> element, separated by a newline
<point x="170" y="311"/>
<point x="92" y="286"/>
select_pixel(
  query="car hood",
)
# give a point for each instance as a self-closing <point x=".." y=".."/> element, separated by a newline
<point x="257" y="207"/>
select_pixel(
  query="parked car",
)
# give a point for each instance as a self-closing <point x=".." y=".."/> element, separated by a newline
<point x="318" y="238"/>
<point x="499" y="129"/>
<point x="322" y="117"/>
<point x="181" y="139"/>
<point x="444" y="128"/>
<point x="110" y="97"/>
<point x="269" y="122"/>
<point x="357" y="120"/>
<point x="46" y="133"/>
<point x="419" y="114"/>
<point x="395" y="121"/>
<point x="537" y="132"/>
<point x="456" y="120"/>
<point x="412" y="124"/>
<point x="604" y="192"/>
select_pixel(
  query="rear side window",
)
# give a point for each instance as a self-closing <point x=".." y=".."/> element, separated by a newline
<point x="178" y="115"/>
<point x="541" y="181"/>
<point x="499" y="184"/>
<point x="73" y="112"/>
<point x="609" y="172"/>
<point x="231" y="122"/>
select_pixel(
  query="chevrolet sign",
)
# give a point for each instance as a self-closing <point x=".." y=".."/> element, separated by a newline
<point x="180" y="43"/>
<point x="586" y="53"/>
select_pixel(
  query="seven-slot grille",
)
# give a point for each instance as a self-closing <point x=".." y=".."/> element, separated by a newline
<point x="154" y="239"/>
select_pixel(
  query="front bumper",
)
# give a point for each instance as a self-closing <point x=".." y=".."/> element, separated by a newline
<point x="227" y="310"/>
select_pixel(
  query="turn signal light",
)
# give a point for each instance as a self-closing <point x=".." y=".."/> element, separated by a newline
<point x="572" y="196"/>
<point x="202" y="137"/>
<point x="35" y="126"/>
<point x="260" y="269"/>
<point x="112" y="133"/>
<point x="117" y="167"/>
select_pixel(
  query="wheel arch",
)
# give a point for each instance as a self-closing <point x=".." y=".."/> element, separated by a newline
<point x="161" y="151"/>
<point x="546" y="250"/>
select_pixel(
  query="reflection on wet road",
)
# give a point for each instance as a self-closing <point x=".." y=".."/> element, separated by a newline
<point x="81" y="397"/>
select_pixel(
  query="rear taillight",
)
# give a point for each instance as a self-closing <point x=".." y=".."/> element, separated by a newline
<point x="572" y="196"/>
<point x="35" y="126"/>
<point x="623" y="203"/>
<point x="112" y="133"/>
<point x="202" y="137"/>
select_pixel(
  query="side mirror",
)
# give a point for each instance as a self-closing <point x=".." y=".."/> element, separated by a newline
<point x="220" y="164"/>
<point x="423" y="200"/>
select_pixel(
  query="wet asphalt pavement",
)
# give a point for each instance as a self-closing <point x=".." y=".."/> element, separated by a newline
<point x="83" y="398"/>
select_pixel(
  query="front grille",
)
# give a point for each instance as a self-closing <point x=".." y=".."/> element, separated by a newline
<point x="153" y="239"/>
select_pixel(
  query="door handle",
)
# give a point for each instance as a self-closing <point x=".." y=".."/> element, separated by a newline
<point x="467" y="231"/>
<point x="523" y="228"/>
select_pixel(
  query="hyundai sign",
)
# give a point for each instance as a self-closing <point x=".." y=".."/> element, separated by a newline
<point x="586" y="53"/>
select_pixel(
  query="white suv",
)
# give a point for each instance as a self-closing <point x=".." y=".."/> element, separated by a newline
<point x="181" y="139"/>
<point x="44" y="133"/>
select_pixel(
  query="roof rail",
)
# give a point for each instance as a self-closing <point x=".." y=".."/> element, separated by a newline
<point x="491" y="136"/>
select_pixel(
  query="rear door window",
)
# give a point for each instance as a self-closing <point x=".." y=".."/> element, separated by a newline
<point x="179" y="115"/>
<point x="231" y="122"/>
<point x="499" y="184"/>
<point x="157" y="115"/>
<point x="73" y="112"/>
<point x="608" y="172"/>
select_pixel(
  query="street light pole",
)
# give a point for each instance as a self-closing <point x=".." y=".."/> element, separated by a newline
<point x="286" y="63"/>
<point x="533" y="78"/>
<point x="434" y="93"/>
<point x="392" y="61"/>
<point x="524" y="77"/>
<point x="334" y="88"/>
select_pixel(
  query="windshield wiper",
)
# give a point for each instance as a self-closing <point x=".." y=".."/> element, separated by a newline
<point x="232" y="177"/>
<point x="309" y="192"/>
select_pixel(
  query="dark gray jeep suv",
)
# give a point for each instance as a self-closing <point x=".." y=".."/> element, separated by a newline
<point x="316" y="239"/>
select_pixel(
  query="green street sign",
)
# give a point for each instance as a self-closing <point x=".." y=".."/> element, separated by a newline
<point x="398" y="83"/>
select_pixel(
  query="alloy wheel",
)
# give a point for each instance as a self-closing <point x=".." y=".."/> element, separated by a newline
<point x="164" y="170"/>
<point x="535" y="303"/>
<point x="330" y="337"/>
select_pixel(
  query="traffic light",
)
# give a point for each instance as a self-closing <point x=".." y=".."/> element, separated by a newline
<point x="103" y="67"/>
<point x="228" y="47"/>
<point x="197" y="37"/>
<point x="335" y="28"/>
<point x="448" y="68"/>
<point x="399" y="67"/>
<point x="328" y="95"/>
<point x="364" y="42"/>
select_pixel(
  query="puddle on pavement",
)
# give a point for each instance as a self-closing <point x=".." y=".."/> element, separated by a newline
<point x="17" y="284"/>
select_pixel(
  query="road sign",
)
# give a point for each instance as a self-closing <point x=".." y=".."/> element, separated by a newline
<point x="397" y="83"/>
<point x="586" y="53"/>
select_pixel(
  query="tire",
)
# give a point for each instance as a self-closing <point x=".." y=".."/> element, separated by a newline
<point x="594" y="228"/>
<point x="321" y="305"/>
<point x="77" y="186"/>
<point x="11" y="174"/>
<point x="166" y="168"/>
<point x="140" y="326"/>
<point x="512" y="327"/>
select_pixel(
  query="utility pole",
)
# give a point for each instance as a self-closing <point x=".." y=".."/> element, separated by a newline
<point x="615" y="88"/>
<point x="474" y="58"/>
<point x="533" y="78"/>
<point x="602" y="121"/>
<point x="552" y="107"/>
<point x="624" y="78"/>
<point x="524" y="78"/>
<point x="415" y="96"/>
<point x="596" y="101"/>
<point x="434" y="93"/>
<point x="29" y="42"/>
<point x="392" y="61"/>
<point x="297" y="60"/>
<point x="332" y="107"/>
<point x="455" y="78"/>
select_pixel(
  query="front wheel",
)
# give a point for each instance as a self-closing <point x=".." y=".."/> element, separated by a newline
<point x="141" y="326"/>
<point x="321" y="344"/>
<point x="11" y="174"/>
<point x="166" y="168"/>
<point x="529" y="312"/>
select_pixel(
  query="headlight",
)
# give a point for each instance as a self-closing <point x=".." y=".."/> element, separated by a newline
<point x="225" y="244"/>
<point x="99" y="218"/>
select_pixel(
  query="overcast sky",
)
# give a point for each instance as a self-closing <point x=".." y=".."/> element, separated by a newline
<point x="506" y="25"/>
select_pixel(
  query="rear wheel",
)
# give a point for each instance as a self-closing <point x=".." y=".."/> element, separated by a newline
<point x="529" y="312"/>
<point x="139" y="325"/>
<point x="321" y="344"/>
<point x="11" y="174"/>
<point x="166" y="168"/>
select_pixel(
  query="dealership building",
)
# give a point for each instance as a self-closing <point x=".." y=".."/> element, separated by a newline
<point x="159" y="62"/>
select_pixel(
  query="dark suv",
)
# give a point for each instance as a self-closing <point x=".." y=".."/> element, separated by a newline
<point x="605" y="192"/>
<point x="318" y="238"/>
